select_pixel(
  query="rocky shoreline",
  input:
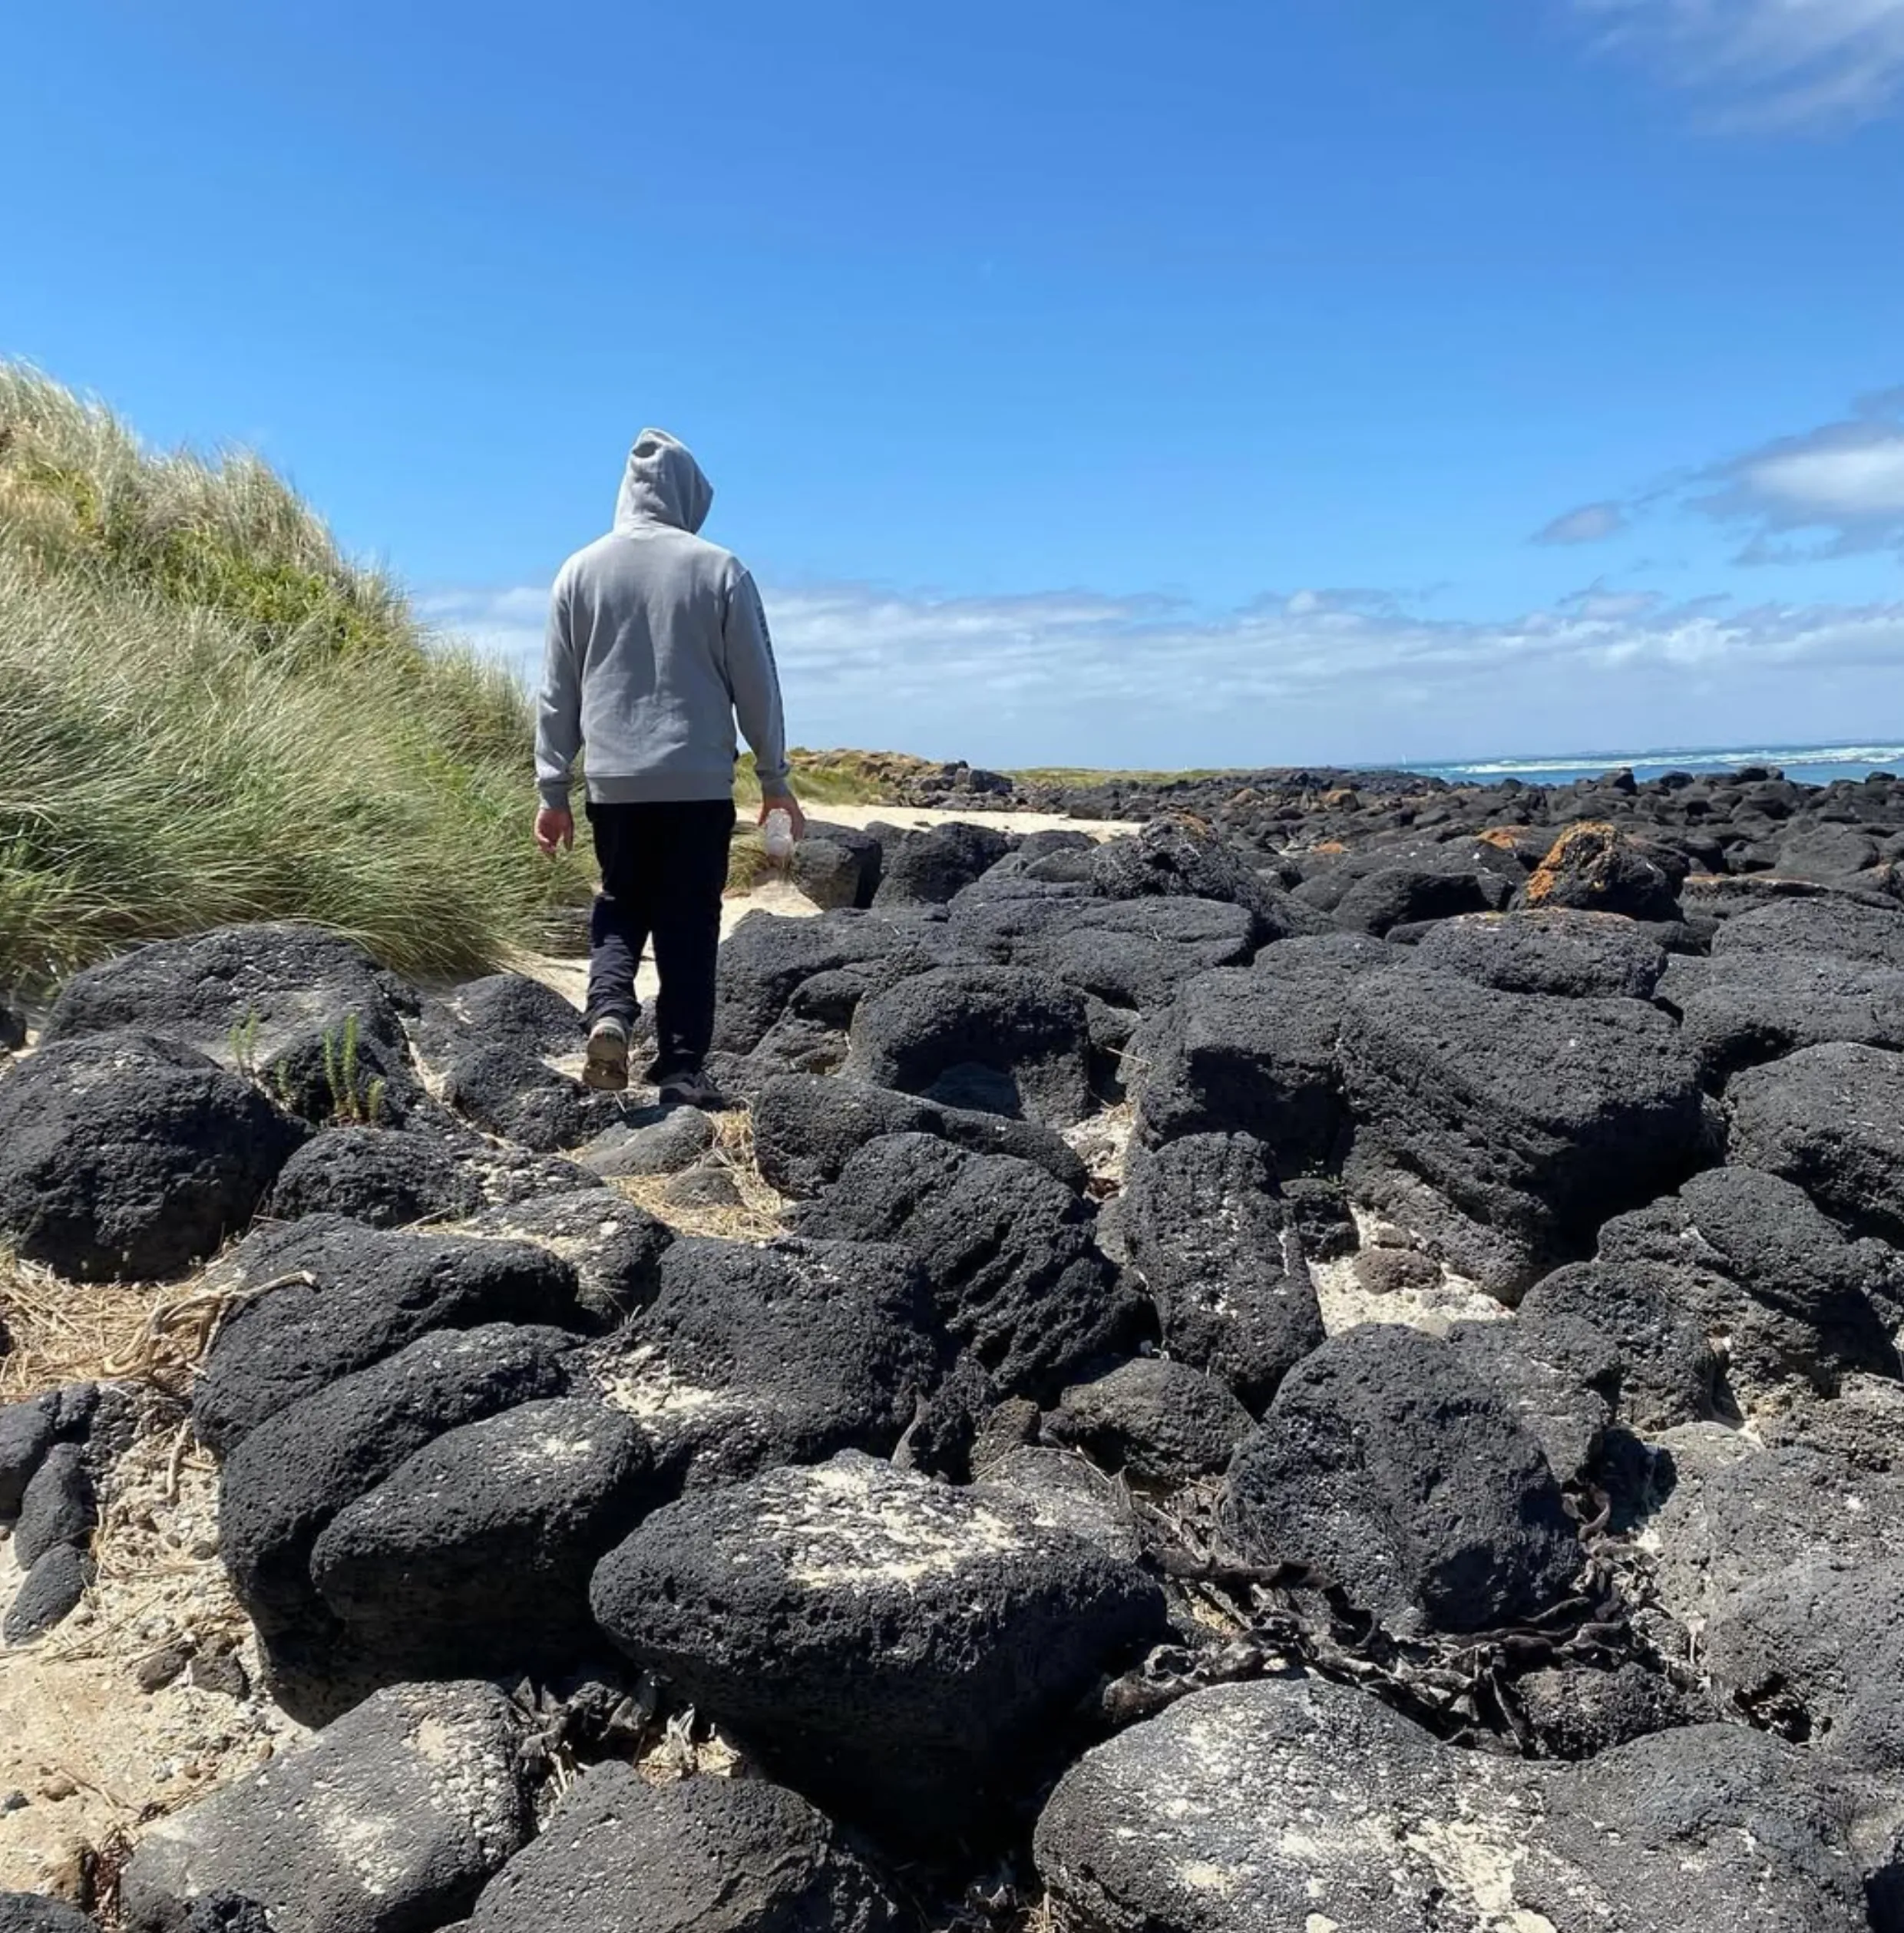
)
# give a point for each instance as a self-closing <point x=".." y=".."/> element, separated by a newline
<point x="958" y="786"/>
<point x="1277" y="808"/>
<point x="1331" y="1365"/>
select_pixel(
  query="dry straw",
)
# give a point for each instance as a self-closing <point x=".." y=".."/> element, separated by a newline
<point x="757" y="1216"/>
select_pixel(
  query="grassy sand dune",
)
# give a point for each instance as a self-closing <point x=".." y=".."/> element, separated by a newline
<point x="208" y="714"/>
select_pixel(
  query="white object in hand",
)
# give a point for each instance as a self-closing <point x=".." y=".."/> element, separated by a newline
<point x="779" y="835"/>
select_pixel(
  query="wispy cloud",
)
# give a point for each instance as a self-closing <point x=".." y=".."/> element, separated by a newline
<point x="1590" y="524"/>
<point x="1061" y="676"/>
<point x="1768" y="62"/>
<point x="1833" y="491"/>
<point x="1603" y="605"/>
<point x="508" y="623"/>
<point x="1843" y="483"/>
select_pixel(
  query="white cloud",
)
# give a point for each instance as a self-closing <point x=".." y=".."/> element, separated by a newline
<point x="1773" y="62"/>
<point x="1828" y="485"/>
<point x="1590" y="524"/>
<point x="1830" y="492"/>
<point x="507" y="623"/>
<point x="1616" y="606"/>
<point x="1844" y="480"/>
<point x="1071" y="677"/>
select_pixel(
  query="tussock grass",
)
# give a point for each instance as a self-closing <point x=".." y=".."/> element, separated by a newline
<point x="748" y="866"/>
<point x="207" y="714"/>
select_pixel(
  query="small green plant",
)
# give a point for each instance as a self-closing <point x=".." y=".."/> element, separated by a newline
<point x="355" y="1105"/>
<point x="340" y="1061"/>
<point x="243" y="1042"/>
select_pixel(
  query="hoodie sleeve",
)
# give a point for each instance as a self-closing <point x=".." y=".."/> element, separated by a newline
<point x="559" y="705"/>
<point x="754" y="682"/>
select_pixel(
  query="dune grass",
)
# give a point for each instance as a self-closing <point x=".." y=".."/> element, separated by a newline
<point x="207" y="714"/>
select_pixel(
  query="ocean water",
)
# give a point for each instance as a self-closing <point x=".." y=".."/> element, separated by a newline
<point x="1811" y="765"/>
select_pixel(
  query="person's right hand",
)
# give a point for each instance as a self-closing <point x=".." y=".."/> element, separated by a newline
<point x="554" y="831"/>
<point x="786" y="802"/>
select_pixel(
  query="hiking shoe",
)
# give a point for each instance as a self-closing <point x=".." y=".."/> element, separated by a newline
<point x="605" y="1069"/>
<point x="693" y="1089"/>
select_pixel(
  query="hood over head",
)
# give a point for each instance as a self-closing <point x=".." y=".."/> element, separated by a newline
<point x="662" y="484"/>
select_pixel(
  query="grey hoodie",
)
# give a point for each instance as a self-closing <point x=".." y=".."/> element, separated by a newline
<point x="656" y="641"/>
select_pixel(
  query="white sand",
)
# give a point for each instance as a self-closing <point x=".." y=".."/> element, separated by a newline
<point x="912" y="818"/>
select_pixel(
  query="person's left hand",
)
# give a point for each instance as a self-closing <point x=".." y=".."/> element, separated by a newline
<point x="554" y="831"/>
<point x="788" y="804"/>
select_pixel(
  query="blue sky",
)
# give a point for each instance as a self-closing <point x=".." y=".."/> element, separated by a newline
<point x="1086" y="381"/>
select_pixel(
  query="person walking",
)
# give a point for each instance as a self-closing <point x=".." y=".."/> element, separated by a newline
<point x="657" y="642"/>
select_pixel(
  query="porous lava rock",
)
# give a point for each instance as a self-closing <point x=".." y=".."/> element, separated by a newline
<point x="905" y="1652"/>
<point x="1387" y="1465"/>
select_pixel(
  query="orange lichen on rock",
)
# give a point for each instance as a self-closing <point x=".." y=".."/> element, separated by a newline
<point x="1580" y="852"/>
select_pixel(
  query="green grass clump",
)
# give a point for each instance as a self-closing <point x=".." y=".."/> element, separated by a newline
<point x="354" y="1102"/>
<point x="208" y="715"/>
